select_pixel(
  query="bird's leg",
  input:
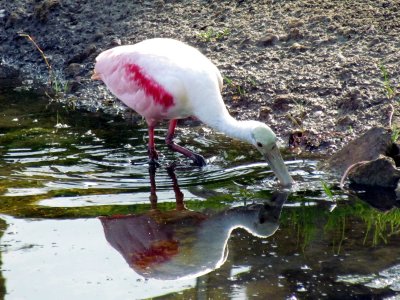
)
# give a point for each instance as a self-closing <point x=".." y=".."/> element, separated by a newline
<point x="153" y="155"/>
<point x="153" y="195"/>
<point x="178" y="194"/>
<point x="197" y="158"/>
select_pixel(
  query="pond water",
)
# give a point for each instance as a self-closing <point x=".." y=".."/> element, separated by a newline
<point x="83" y="218"/>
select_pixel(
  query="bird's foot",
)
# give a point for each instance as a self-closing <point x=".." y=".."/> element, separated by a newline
<point x="198" y="160"/>
<point x="153" y="157"/>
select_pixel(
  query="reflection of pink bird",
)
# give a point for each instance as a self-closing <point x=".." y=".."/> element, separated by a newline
<point x="183" y="243"/>
<point x="167" y="79"/>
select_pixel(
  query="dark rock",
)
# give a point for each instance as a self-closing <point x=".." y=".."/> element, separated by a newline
<point x="295" y="34"/>
<point x="282" y="102"/>
<point x="74" y="70"/>
<point x="264" y="112"/>
<point x="351" y="101"/>
<point x="43" y="9"/>
<point x="380" y="172"/>
<point x="269" y="40"/>
<point x="98" y="36"/>
<point x="369" y="146"/>
<point x="80" y="57"/>
<point x="345" y="121"/>
<point x="307" y="140"/>
<point x="374" y="42"/>
<point x="74" y="85"/>
<point x="115" y="42"/>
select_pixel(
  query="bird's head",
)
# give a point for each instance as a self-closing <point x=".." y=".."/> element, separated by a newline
<point x="264" y="139"/>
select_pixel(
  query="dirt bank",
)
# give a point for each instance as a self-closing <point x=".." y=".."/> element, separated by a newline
<point x="311" y="65"/>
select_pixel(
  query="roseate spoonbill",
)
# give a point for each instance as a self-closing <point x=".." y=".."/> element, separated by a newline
<point x="165" y="79"/>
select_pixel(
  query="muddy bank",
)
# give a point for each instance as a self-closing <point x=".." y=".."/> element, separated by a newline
<point x="296" y="65"/>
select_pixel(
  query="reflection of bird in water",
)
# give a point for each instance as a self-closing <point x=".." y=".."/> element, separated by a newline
<point x="164" y="79"/>
<point x="184" y="243"/>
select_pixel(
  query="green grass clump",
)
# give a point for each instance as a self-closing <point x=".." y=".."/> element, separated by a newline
<point x="390" y="90"/>
<point x="391" y="93"/>
<point x="212" y="35"/>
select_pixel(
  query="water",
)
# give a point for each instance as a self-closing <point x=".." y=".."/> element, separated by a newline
<point x="80" y="219"/>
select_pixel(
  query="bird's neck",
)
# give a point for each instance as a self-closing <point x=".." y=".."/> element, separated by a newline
<point x="233" y="128"/>
<point x="216" y="115"/>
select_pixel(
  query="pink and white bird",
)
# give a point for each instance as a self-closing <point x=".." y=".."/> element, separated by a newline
<point x="164" y="79"/>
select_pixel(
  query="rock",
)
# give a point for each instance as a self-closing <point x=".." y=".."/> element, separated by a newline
<point x="98" y="36"/>
<point x="81" y="56"/>
<point x="380" y="172"/>
<point x="369" y="146"/>
<point x="351" y="101"/>
<point x="374" y="42"/>
<point x="345" y="121"/>
<point x="269" y="40"/>
<point x="282" y="102"/>
<point x="293" y="23"/>
<point x="318" y="114"/>
<point x="74" y="84"/>
<point x="74" y="70"/>
<point x="295" y="34"/>
<point x="264" y="112"/>
<point x="43" y="9"/>
<point x="115" y="42"/>
<point x="298" y="47"/>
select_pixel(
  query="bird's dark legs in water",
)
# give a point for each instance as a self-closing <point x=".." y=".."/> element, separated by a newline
<point x="178" y="194"/>
<point x="153" y="189"/>
<point x="151" y="149"/>
<point x="197" y="158"/>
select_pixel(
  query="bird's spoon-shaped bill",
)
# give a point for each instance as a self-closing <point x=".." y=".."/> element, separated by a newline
<point x="275" y="161"/>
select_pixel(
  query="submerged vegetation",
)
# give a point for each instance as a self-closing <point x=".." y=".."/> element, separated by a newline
<point x="348" y="221"/>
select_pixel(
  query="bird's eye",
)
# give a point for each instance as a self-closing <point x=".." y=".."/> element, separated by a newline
<point x="259" y="144"/>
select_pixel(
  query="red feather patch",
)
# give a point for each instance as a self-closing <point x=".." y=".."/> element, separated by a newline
<point x="150" y="87"/>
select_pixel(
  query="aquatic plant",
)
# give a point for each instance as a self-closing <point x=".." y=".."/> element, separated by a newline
<point x="327" y="189"/>
<point x="57" y="85"/>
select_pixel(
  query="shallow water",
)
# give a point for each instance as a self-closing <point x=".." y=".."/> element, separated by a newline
<point x="77" y="221"/>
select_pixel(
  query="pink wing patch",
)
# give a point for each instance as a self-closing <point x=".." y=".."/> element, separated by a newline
<point x="150" y="87"/>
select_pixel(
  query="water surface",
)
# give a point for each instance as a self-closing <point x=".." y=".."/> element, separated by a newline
<point x="78" y="222"/>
